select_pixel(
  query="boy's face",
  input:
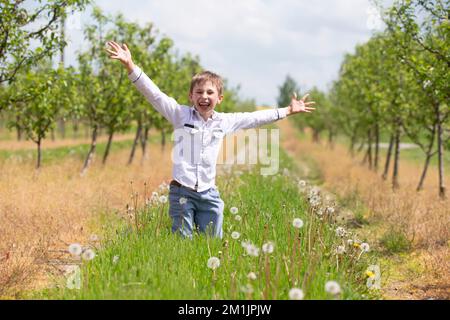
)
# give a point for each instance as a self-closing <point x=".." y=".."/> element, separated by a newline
<point x="205" y="97"/>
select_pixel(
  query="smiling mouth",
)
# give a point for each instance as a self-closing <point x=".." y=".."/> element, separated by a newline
<point x="204" y="104"/>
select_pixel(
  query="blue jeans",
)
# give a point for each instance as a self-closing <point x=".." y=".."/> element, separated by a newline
<point x="203" y="211"/>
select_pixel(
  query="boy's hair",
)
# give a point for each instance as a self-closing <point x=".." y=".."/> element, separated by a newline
<point x="204" y="76"/>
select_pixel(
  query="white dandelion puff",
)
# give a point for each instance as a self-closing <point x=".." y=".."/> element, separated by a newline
<point x="297" y="223"/>
<point x="296" y="294"/>
<point x="245" y="244"/>
<point x="163" y="199"/>
<point x="234" y="210"/>
<point x="75" y="249"/>
<point x="93" y="238"/>
<point x="237" y="217"/>
<point x="252" y="250"/>
<point x="251" y="276"/>
<point x="332" y="287"/>
<point x="365" y="247"/>
<point x="88" y="254"/>
<point x="340" y="250"/>
<point x="350" y="242"/>
<point x="235" y="235"/>
<point x="247" y="289"/>
<point x="115" y="259"/>
<point x="340" y="231"/>
<point x="268" y="247"/>
<point x="302" y="183"/>
<point x="330" y="210"/>
<point x="213" y="263"/>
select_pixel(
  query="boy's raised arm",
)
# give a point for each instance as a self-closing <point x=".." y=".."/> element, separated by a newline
<point x="164" y="104"/>
<point x="121" y="53"/>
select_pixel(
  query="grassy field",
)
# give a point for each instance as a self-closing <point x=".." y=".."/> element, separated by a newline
<point x="141" y="259"/>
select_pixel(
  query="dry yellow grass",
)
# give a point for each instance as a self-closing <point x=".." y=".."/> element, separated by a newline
<point x="423" y="217"/>
<point x="55" y="207"/>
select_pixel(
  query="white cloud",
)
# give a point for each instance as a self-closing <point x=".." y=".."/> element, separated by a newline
<point x="255" y="43"/>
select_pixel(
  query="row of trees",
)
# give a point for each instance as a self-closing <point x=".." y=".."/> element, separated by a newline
<point x="37" y="97"/>
<point x="396" y="86"/>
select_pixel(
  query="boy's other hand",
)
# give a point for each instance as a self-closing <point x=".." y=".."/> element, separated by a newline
<point x="301" y="105"/>
<point x="121" y="53"/>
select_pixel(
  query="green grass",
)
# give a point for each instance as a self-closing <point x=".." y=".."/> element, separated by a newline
<point x="395" y="241"/>
<point x="79" y="152"/>
<point x="155" y="264"/>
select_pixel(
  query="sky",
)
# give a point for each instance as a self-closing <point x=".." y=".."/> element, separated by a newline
<point x="252" y="43"/>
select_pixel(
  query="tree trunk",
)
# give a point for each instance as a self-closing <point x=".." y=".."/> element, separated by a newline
<point x="108" y="147"/>
<point x="369" y="147"/>
<point x="19" y="133"/>
<point x="388" y="158"/>
<point x="144" y="139"/>
<point x="429" y="154"/>
<point x="440" y="148"/>
<point x="352" y="144"/>
<point x="75" y="129"/>
<point x="86" y="132"/>
<point x="135" y="142"/>
<point x="62" y="128"/>
<point x="377" y="145"/>
<point x="395" y="184"/>
<point x="330" y="139"/>
<point x="315" y="136"/>
<point x="38" y="143"/>
<point x="91" y="152"/>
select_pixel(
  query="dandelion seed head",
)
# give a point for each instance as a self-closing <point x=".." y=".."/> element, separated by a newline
<point x="297" y="223"/>
<point x="302" y="183"/>
<point x="115" y="259"/>
<point x="252" y="250"/>
<point x="213" y="263"/>
<point x="252" y="276"/>
<point x="340" y="231"/>
<point x="235" y="235"/>
<point x="332" y="287"/>
<point x="340" y="250"/>
<point x="296" y="294"/>
<point x="234" y="210"/>
<point x="163" y="199"/>
<point x="93" y="238"/>
<point x="365" y="247"/>
<point x="75" y="249"/>
<point x="88" y="254"/>
<point x="237" y="217"/>
<point x="268" y="247"/>
<point x="247" y="289"/>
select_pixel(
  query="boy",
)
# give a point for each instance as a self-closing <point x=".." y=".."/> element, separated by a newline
<point x="193" y="198"/>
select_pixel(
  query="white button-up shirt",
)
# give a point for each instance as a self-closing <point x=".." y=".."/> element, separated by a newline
<point x="197" y="142"/>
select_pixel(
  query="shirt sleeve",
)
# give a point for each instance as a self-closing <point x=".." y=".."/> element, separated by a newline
<point x="247" y="120"/>
<point x="164" y="104"/>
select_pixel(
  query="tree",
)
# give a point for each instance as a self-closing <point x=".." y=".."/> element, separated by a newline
<point x="25" y="39"/>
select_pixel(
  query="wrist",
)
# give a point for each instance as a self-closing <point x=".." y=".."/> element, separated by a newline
<point x="130" y="66"/>
<point x="288" y="110"/>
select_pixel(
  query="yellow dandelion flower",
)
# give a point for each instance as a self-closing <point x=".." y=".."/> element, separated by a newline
<point x="370" y="274"/>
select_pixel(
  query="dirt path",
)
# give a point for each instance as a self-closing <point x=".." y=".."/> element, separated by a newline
<point x="421" y="273"/>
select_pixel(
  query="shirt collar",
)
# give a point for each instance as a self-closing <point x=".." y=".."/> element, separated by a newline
<point x="214" y="115"/>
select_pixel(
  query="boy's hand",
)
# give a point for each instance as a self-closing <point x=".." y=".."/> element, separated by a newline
<point x="122" y="54"/>
<point x="301" y="105"/>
